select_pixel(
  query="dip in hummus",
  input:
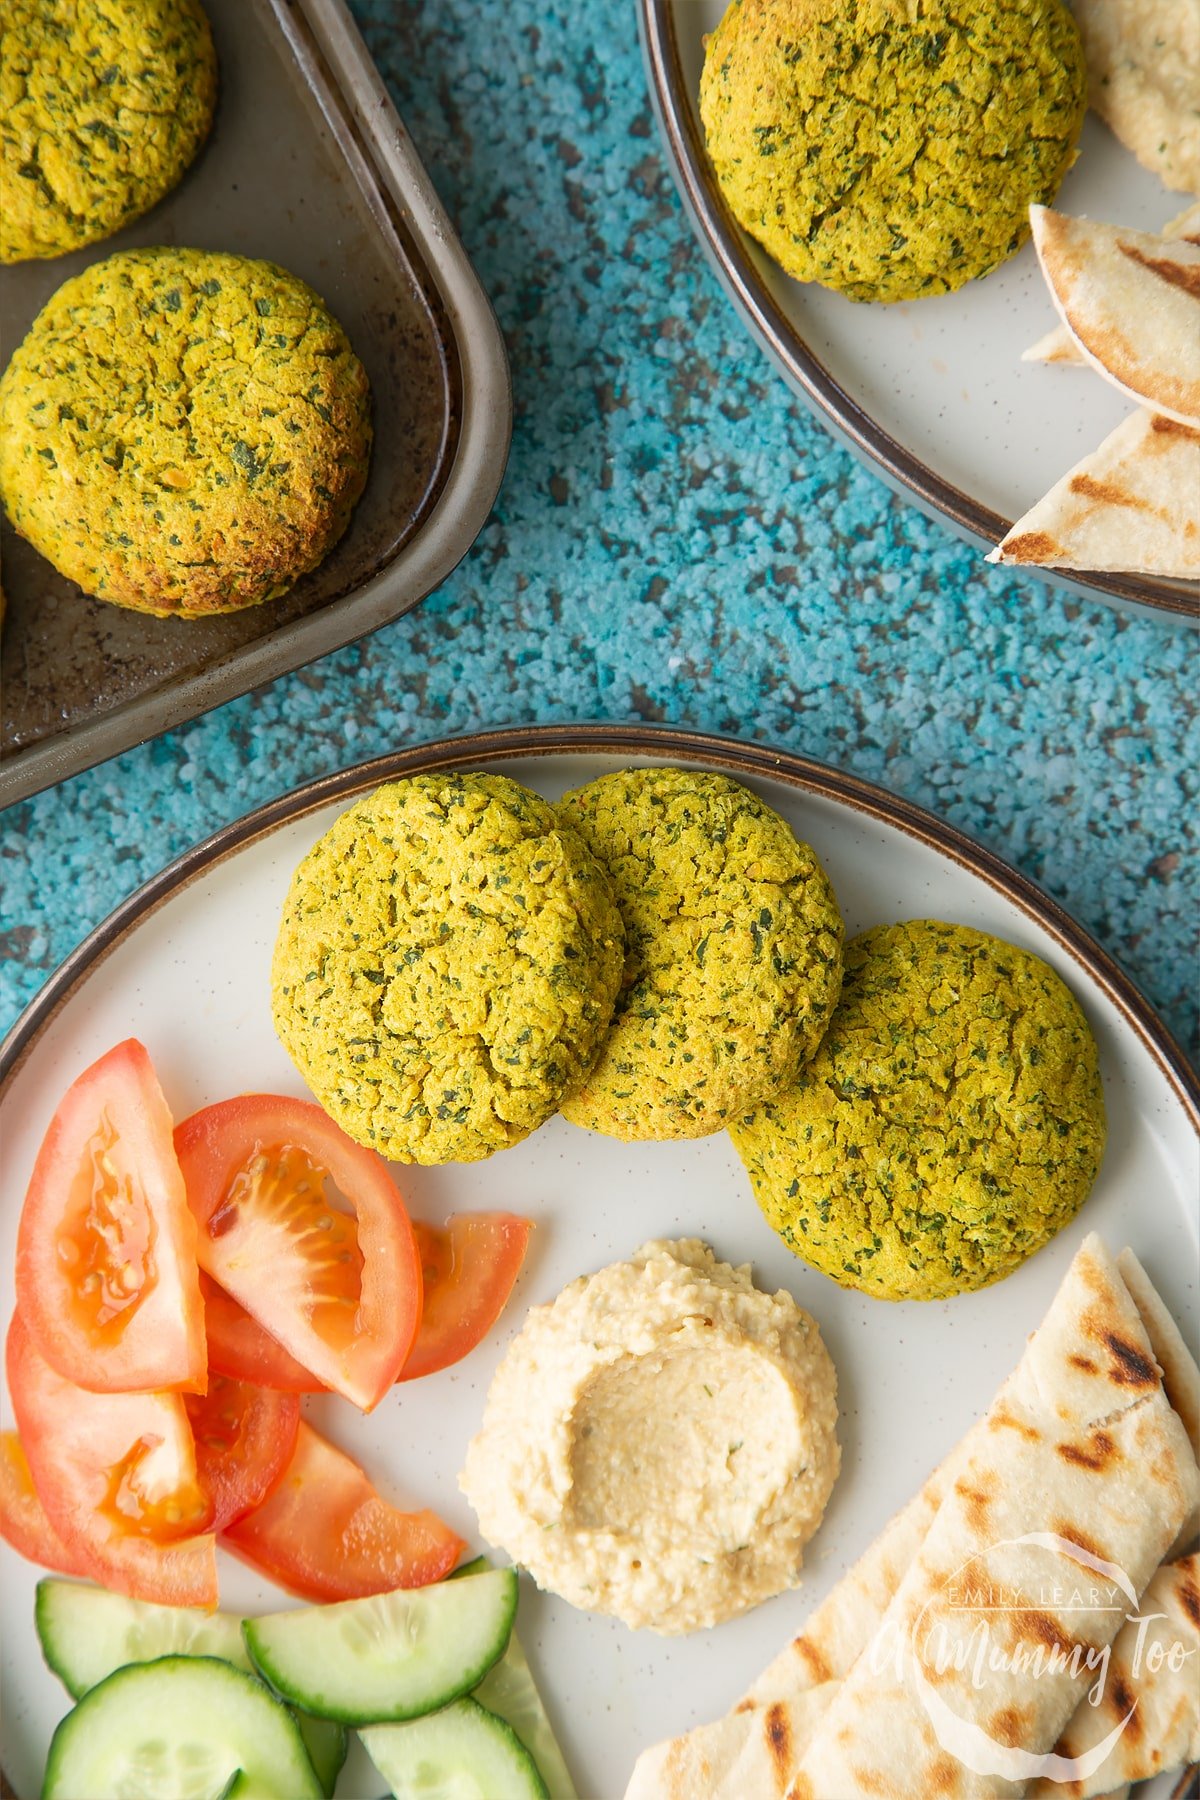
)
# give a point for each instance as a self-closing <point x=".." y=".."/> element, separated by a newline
<point x="659" y="1442"/>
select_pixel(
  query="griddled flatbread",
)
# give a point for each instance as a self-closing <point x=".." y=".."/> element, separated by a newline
<point x="1143" y="59"/>
<point x="1132" y="504"/>
<point x="751" y="1754"/>
<point x="1131" y="301"/>
<point x="1058" y="346"/>
<point x="1085" y="1449"/>
<point x="1164" y="1732"/>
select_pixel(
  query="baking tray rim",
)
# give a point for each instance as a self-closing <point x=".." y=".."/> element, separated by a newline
<point x="454" y="521"/>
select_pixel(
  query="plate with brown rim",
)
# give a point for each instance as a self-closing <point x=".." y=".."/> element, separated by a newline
<point x="183" y="964"/>
<point x="931" y="393"/>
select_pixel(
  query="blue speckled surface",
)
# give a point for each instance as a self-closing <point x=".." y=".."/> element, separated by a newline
<point x="676" y="539"/>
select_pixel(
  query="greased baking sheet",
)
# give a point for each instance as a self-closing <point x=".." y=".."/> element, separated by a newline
<point x="309" y="166"/>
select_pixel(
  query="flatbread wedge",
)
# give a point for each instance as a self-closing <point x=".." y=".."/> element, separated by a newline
<point x="1086" y="1458"/>
<point x="1131" y="301"/>
<point x="1058" y="346"/>
<point x="754" y="1751"/>
<point x="1132" y="504"/>
<point x="1163" y="1731"/>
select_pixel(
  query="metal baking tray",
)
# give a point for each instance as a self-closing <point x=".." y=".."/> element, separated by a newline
<point x="309" y="166"/>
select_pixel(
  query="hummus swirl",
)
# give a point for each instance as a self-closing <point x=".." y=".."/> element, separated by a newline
<point x="659" y="1442"/>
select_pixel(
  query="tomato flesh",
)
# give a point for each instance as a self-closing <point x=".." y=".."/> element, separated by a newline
<point x="116" y="1474"/>
<point x="106" y="1273"/>
<point x="23" y="1520"/>
<point x="244" y="1437"/>
<point x="339" y="1289"/>
<point x="238" y="1346"/>
<point x="468" y="1267"/>
<point x="327" y="1534"/>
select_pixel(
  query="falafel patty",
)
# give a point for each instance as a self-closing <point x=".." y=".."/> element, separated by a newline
<point x="446" y="966"/>
<point x="102" y="108"/>
<point x="951" y="1122"/>
<point x="184" y="432"/>
<point x="733" y="952"/>
<point x="891" y="148"/>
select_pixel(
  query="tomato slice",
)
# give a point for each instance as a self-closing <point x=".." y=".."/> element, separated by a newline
<point x="23" y="1520"/>
<point x="106" y="1249"/>
<point x="116" y="1474"/>
<point x="340" y="1290"/>
<point x="240" y="1348"/>
<point x="244" y="1438"/>
<point x="469" y="1267"/>
<point x="325" y="1532"/>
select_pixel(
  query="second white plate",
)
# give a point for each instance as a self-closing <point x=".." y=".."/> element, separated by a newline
<point x="932" y="391"/>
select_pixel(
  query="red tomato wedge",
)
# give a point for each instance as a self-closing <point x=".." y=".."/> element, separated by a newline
<point x="269" y="1180"/>
<point x="469" y="1267"/>
<point x="244" y="1439"/>
<point x="240" y="1348"/>
<point x="325" y="1532"/>
<point x="106" y="1248"/>
<point x="116" y="1474"/>
<point x="23" y="1521"/>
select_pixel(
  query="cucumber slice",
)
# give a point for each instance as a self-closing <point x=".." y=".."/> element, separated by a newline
<point x="508" y="1689"/>
<point x="87" y="1632"/>
<point x="463" y="1752"/>
<point x="327" y="1743"/>
<point x="180" y="1728"/>
<point x="390" y="1656"/>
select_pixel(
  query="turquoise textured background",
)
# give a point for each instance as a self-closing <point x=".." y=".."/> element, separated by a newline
<point x="677" y="540"/>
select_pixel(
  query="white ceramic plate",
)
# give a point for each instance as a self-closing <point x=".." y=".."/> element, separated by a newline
<point x="933" y="391"/>
<point x="184" y="966"/>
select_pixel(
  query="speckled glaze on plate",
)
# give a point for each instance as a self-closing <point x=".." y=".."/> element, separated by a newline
<point x="184" y="964"/>
<point x="932" y="392"/>
<point x="309" y="166"/>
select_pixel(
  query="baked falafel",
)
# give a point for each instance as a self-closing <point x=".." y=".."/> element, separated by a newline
<point x="211" y="460"/>
<point x="446" y="966"/>
<point x="891" y="148"/>
<point x="951" y="1122"/>
<point x="102" y="108"/>
<point x="733" y="952"/>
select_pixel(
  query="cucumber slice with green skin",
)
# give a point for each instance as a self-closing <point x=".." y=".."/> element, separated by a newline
<point x="508" y="1690"/>
<point x="87" y="1632"/>
<point x="390" y="1656"/>
<point x="327" y="1743"/>
<point x="179" y="1728"/>
<point x="463" y="1752"/>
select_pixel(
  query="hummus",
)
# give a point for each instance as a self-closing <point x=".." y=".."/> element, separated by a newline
<point x="659" y="1442"/>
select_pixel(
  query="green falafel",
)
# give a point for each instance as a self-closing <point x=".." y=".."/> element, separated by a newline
<point x="733" y="959"/>
<point x="446" y="966"/>
<point x="102" y="108"/>
<point x="951" y="1122"/>
<point x="891" y="148"/>
<point x="210" y="462"/>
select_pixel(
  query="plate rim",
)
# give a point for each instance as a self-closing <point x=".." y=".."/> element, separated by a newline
<point x="728" y="249"/>
<point x="614" y="738"/>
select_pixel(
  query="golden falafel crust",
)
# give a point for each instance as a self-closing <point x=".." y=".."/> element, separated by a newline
<point x="184" y="432"/>
<point x="951" y="1122"/>
<point x="103" y="104"/>
<point x="733" y="952"/>
<point x="446" y="966"/>
<point x="891" y="148"/>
